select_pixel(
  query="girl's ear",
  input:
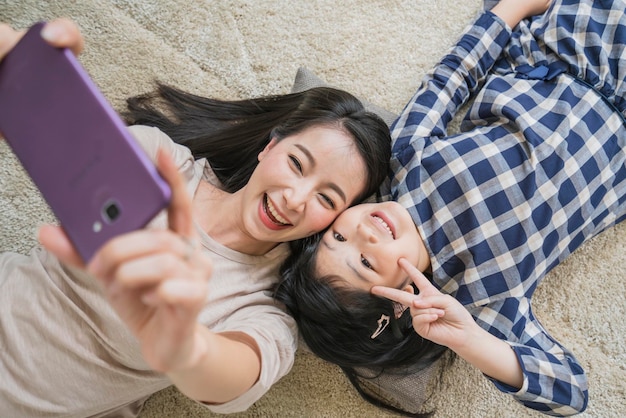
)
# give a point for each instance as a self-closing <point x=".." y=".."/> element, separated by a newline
<point x="267" y="148"/>
<point x="398" y="308"/>
<point x="409" y="288"/>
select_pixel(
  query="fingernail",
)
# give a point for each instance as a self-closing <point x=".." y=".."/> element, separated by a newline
<point x="150" y="298"/>
<point x="179" y="288"/>
<point x="50" y="33"/>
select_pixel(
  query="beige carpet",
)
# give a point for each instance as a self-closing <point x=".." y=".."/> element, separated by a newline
<point x="378" y="50"/>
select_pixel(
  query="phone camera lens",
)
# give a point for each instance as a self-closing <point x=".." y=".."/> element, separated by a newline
<point x="111" y="211"/>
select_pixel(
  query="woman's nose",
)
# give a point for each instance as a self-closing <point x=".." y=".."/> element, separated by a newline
<point x="295" y="198"/>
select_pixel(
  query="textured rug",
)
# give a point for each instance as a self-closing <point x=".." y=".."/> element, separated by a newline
<point x="377" y="50"/>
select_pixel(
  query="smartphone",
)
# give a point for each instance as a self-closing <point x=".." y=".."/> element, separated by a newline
<point x="95" y="177"/>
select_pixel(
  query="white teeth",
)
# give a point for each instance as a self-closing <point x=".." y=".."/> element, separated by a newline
<point x="383" y="223"/>
<point x="275" y="214"/>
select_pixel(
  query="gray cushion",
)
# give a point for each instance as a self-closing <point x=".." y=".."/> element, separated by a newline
<point x="306" y="79"/>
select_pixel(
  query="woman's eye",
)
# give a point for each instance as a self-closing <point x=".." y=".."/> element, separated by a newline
<point x="328" y="201"/>
<point x="296" y="163"/>
<point x="338" y="237"/>
<point x="366" y="263"/>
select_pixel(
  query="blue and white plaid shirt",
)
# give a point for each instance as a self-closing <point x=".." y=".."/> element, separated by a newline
<point x="538" y="168"/>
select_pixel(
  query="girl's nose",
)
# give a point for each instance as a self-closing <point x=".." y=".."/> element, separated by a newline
<point x="367" y="233"/>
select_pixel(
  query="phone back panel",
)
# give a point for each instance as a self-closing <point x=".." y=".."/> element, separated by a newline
<point x="97" y="180"/>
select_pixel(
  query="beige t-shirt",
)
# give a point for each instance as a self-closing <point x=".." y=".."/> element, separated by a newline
<point x="64" y="351"/>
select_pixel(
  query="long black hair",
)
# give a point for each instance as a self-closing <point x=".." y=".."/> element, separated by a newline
<point x="337" y="322"/>
<point x="230" y="134"/>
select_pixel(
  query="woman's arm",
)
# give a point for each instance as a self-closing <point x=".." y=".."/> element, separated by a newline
<point x="156" y="280"/>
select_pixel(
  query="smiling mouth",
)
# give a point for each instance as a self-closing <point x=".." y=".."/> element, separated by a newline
<point x="272" y="213"/>
<point x="385" y="225"/>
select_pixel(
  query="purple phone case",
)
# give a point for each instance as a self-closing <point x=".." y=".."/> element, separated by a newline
<point x="97" y="180"/>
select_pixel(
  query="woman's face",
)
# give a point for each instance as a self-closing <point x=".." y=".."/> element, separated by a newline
<point x="301" y="184"/>
<point x="364" y="244"/>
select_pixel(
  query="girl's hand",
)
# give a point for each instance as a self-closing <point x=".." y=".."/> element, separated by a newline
<point x="437" y="317"/>
<point x="513" y="11"/>
<point x="156" y="280"/>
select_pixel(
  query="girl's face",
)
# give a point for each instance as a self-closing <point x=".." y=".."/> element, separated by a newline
<point x="364" y="244"/>
<point x="301" y="184"/>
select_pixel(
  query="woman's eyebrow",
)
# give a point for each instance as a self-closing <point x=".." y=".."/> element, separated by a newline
<point x="313" y="162"/>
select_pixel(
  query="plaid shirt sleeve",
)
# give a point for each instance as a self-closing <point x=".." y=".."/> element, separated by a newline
<point x="554" y="382"/>
<point x="450" y="84"/>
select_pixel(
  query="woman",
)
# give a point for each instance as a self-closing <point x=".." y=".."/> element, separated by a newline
<point x="538" y="169"/>
<point x="185" y="301"/>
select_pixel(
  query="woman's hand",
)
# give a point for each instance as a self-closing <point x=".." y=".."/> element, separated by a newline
<point x="60" y="32"/>
<point x="156" y="280"/>
<point x="436" y="317"/>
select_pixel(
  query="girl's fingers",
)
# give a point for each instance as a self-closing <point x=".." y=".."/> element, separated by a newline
<point x="402" y="296"/>
<point x="438" y="301"/>
<point x="396" y="295"/>
<point x="429" y="311"/>
<point x="422" y="283"/>
<point x="420" y="320"/>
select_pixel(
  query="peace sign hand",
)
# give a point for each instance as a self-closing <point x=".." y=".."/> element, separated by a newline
<point x="436" y="317"/>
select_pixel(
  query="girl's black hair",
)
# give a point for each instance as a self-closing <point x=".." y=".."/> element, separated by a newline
<point x="230" y="134"/>
<point x="337" y="323"/>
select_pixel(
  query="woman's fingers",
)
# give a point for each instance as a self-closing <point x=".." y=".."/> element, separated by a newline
<point x="135" y="245"/>
<point x="180" y="210"/>
<point x="8" y="38"/>
<point x="154" y="268"/>
<point x="55" y="240"/>
<point x="63" y="33"/>
<point x="178" y="292"/>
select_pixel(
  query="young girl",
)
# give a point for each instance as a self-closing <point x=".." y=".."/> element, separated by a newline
<point x="538" y="169"/>
<point x="186" y="301"/>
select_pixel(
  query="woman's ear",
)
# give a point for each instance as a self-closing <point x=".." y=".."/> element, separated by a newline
<point x="267" y="148"/>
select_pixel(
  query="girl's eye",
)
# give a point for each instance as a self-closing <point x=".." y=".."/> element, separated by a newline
<point x="366" y="263"/>
<point x="328" y="201"/>
<point x="296" y="163"/>
<point x="338" y="237"/>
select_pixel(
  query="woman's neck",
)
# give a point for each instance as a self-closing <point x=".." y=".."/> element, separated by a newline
<point x="219" y="214"/>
